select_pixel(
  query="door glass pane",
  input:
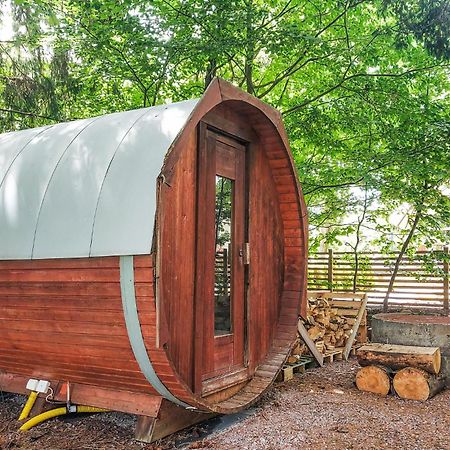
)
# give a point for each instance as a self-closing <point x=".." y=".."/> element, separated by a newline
<point x="223" y="260"/>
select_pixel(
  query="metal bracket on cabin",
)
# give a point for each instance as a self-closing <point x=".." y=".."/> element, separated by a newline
<point x="135" y="334"/>
<point x="245" y="253"/>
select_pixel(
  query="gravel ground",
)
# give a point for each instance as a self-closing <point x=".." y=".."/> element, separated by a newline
<point x="318" y="410"/>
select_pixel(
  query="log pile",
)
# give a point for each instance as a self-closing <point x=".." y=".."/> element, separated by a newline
<point x="411" y="372"/>
<point x="298" y="350"/>
<point x="330" y="321"/>
<point x="328" y="326"/>
<point x="325" y="326"/>
<point x="326" y="332"/>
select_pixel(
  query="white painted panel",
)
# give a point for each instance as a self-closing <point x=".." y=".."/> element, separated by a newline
<point x="66" y="218"/>
<point x="11" y="144"/>
<point x="85" y="188"/>
<point x="126" y="210"/>
<point x="25" y="184"/>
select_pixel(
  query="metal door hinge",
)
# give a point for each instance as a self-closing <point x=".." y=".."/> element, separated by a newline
<point x="246" y="255"/>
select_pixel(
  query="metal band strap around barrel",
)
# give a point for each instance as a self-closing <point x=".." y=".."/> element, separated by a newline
<point x="134" y="331"/>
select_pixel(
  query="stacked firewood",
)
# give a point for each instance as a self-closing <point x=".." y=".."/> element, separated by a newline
<point x="326" y="327"/>
<point x="299" y="349"/>
<point x="329" y="323"/>
<point x="411" y="372"/>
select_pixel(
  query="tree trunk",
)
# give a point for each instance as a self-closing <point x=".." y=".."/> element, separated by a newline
<point x="416" y="384"/>
<point x="358" y="240"/>
<point x="373" y="379"/>
<point x="400" y="356"/>
<point x="250" y="49"/>
<point x="211" y="72"/>
<point x="399" y="259"/>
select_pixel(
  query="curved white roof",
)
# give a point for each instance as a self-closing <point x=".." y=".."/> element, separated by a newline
<point x="85" y="188"/>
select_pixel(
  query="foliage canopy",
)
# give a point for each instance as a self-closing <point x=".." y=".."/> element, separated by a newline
<point x="363" y="86"/>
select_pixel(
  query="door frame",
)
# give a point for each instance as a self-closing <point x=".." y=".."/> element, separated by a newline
<point x="204" y="274"/>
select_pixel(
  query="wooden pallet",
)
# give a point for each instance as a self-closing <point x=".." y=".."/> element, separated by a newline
<point x="338" y="354"/>
<point x="288" y="370"/>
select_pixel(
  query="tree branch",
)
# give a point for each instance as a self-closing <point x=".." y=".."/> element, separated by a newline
<point x="26" y="113"/>
<point x="361" y="75"/>
<point x="346" y="184"/>
<point x="295" y="66"/>
<point x="399" y="259"/>
<point x="285" y="10"/>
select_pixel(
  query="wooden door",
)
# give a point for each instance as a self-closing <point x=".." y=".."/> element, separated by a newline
<point x="220" y="279"/>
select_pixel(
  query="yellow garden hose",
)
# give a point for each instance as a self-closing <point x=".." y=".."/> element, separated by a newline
<point x="28" y="405"/>
<point x="58" y="412"/>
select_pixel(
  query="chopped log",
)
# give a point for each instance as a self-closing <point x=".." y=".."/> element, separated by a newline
<point x="299" y="349"/>
<point x="373" y="379"/>
<point x="315" y="332"/>
<point x="416" y="384"/>
<point x="400" y="356"/>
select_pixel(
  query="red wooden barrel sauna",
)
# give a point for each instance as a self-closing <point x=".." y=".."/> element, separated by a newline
<point x="152" y="258"/>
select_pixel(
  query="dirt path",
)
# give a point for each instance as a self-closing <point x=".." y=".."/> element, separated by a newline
<point x="319" y="410"/>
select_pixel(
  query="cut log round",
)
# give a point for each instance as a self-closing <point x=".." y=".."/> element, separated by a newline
<point x="416" y="384"/>
<point x="400" y="356"/>
<point x="373" y="379"/>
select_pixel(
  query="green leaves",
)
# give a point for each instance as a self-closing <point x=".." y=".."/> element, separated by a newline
<point x="362" y="84"/>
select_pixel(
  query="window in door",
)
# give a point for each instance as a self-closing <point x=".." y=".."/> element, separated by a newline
<point x="223" y="256"/>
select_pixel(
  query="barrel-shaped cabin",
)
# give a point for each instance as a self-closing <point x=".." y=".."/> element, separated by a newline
<point x="152" y="256"/>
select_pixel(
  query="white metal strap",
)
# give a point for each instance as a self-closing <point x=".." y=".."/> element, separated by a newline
<point x="134" y="330"/>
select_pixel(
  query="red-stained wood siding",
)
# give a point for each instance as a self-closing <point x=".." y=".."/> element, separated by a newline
<point x="276" y="227"/>
<point x="266" y="255"/>
<point x="62" y="319"/>
<point x="276" y="235"/>
<point x="292" y="207"/>
<point x="155" y="347"/>
<point x="177" y="218"/>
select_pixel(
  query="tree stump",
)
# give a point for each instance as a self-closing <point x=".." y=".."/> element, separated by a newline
<point x="416" y="384"/>
<point x="373" y="379"/>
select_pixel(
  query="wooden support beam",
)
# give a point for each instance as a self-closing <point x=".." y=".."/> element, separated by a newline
<point x="310" y="343"/>
<point x="336" y="295"/>
<point x="351" y="339"/>
<point x="330" y="269"/>
<point x="171" y="418"/>
<point x="446" y="283"/>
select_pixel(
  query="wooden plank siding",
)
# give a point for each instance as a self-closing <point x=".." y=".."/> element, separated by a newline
<point x="62" y="319"/>
<point x="177" y="259"/>
<point x="156" y="348"/>
<point x="266" y="270"/>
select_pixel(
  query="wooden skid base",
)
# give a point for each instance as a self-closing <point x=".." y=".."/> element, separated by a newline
<point x="337" y="354"/>
<point x="288" y="370"/>
<point x="83" y="394"/>
<point x="171" y="418"/>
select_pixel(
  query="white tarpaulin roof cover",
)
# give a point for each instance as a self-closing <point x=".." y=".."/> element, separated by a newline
<point x="85" y="188"/>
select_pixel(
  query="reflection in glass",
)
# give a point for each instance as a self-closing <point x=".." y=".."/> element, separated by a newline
<point x="222" y="285"/>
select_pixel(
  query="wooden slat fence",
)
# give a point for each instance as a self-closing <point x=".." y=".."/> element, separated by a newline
<point x="422" y="281"/>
